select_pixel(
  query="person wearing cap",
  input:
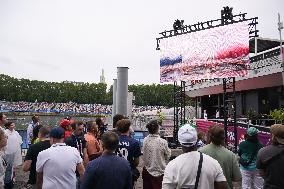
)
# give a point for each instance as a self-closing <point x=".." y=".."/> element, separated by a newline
<point x="183" y="171"/>
<point x="108" y="171"/>
<point x="270" y="159"/>
<point x="56" y="165"/>
<point x="32" y="153"/>
<point x="65" y="124"/>
<point x="225" y="157"/>
<point x="248" y="150"/>
<point x="155" y="154"/>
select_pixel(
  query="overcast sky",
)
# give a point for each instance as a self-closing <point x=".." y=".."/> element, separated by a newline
<point x="58" y="40"/>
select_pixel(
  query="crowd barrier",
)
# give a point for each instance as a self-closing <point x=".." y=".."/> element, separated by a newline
<point x="203" y="125"/>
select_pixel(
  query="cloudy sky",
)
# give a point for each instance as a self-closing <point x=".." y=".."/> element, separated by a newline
<point x="58" y="40"/>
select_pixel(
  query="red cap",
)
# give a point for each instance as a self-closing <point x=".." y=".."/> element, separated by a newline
<point x="65" y="123"/>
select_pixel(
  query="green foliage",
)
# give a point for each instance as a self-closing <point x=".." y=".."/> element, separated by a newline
<point x="250" y="114"/>
<point x="13" y="89"/>
<point x="161" y="116"/>
<point x="153" y="95"/>
<point x="277" y="114"/>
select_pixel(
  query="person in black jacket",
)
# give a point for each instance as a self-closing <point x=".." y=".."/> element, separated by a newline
<point x="78" y="141"/>
<point x="270" y="159"/>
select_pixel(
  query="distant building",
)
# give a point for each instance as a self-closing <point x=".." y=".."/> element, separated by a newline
<point x="102" y="77"/>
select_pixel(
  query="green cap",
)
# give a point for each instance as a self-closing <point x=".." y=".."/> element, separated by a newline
<point x="252" y="131"/>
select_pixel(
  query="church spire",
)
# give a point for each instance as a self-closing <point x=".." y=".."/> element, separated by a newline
<point x="102" y="77"/>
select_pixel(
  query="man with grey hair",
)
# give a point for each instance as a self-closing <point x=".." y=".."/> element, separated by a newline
<point x="109" y="170"/>
<point x="193" y="169"/>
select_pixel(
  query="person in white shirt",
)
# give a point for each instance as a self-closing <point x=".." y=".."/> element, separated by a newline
<point x="155" y="154"/>
<point x="13" y="154"/>
<point x="205" y="115"/>
<point x="217" y="114"/>
<point x="192" y="169"/>
<point x="56" y="165"/>
<point x="14" y="143"/>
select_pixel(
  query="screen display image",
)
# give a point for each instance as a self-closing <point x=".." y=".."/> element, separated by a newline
<point x="219" y="52"/>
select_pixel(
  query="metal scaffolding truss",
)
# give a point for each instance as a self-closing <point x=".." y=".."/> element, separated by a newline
<point x="229" y="100"/>
<point x="179" y="107"/>
<point x="252" y="22"/>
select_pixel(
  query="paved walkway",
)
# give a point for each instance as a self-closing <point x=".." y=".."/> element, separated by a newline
<point x="22" y="177"/>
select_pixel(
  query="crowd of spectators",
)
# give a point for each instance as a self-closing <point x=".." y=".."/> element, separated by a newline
<point x="70" y="107"/>
<point x="110" y="159"/>
<point x="138" y="109"/>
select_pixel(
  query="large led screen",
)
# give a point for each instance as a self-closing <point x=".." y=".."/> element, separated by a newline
<point x="212" y="53"/>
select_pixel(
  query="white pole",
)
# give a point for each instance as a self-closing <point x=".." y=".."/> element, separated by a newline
<point x="280" y="27"/>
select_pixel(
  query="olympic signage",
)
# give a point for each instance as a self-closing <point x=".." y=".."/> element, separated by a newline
<point x="204" y="125"/>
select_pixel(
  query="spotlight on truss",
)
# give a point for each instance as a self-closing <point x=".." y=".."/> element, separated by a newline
<point x="227" y="14"/>
<point x="178" y="25"/>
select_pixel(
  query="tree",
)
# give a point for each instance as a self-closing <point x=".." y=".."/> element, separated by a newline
<point x="13" y="89"/>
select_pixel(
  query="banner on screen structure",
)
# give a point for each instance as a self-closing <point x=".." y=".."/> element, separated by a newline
<point x="204" y="125"/>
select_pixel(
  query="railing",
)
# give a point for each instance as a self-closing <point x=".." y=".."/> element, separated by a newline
<point x="269" y="54"/>
<point x="245" y="124"/>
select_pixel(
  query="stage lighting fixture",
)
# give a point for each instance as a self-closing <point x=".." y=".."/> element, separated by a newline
<point x="227" y="14"/>
<point x="178" y="25"/>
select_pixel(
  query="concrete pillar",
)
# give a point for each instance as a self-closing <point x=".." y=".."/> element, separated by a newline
<point x="114" y="88"/>
<point x="129" y="104"/>
<point x="122" y="90"/>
